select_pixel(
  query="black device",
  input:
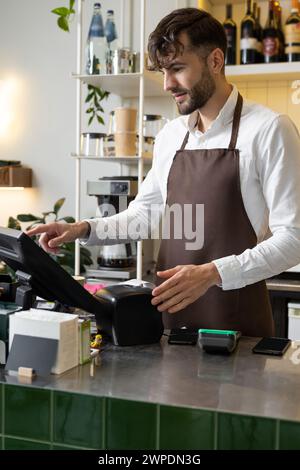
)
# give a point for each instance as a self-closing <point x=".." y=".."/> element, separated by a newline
<point x="219" y="341"/>
<point x="183" y="336"/>
<point x="123" y="312"/>
<point x="273" y="346"/>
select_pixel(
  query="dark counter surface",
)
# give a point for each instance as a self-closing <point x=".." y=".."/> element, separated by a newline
<point x="186" y="376"/>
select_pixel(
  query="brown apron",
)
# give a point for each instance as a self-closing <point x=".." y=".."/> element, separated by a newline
<point x="211" y="177"/>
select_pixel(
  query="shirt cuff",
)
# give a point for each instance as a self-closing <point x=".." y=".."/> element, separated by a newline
<point x="230" y="272"/>
<point x="93" y="238"/>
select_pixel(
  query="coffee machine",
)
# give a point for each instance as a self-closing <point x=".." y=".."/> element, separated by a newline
<point x="118" y="261"/>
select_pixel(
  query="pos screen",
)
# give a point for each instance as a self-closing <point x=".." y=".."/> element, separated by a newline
<point x="48" y="279"/>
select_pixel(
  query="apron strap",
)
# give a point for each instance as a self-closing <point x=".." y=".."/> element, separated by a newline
<point x="236" y="122"/>
<point x="185" y="140"/>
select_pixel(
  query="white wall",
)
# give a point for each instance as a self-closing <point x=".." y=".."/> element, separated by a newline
<point x="37" y="121"/>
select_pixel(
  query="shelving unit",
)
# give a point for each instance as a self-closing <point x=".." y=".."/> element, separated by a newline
<point x="150" y="84"/>
<point x="126" y="86"/>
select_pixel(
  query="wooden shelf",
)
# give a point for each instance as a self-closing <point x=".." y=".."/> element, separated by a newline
<point x="126" y="159"/>
<point x="127" y="85"/>
<point x="263" y="72"/>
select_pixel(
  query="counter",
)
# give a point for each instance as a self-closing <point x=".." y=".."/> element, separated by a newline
<point x="160" y="397"/>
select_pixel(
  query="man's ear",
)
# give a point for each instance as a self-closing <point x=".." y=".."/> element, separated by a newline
<point x="215" y="61"/>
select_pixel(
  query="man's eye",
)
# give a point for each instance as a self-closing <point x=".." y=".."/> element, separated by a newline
<point x="177" y="69"/>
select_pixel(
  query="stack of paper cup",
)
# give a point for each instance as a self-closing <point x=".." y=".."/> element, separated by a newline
<point x="125" y="131"/>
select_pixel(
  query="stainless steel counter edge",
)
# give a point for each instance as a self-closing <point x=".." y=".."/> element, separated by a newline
<point x="164" y="374"/>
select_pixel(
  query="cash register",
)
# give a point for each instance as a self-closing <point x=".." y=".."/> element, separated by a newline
<point x="124" y="313"/>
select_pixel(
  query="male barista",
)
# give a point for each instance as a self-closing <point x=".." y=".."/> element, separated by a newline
<point x="239" y="160"/>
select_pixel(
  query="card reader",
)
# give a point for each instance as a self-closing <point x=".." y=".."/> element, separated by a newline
<point x="218" y="341"/>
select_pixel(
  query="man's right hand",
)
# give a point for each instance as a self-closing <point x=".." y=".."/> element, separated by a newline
<point x="54" y="234"/>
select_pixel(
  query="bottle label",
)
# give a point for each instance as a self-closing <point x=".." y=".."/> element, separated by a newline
<point x="248" y="43"/>
<point x="271" y="46"/>
<point x="230" y="38"/>
<point x="292" y="38"/>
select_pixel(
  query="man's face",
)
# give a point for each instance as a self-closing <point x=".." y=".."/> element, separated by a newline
<point x="189" y="80"/>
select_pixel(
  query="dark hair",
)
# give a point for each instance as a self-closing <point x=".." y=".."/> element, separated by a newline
<point x="203" y="30"/>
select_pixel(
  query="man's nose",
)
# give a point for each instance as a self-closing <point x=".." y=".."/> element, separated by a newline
<point x="169" y="82"/>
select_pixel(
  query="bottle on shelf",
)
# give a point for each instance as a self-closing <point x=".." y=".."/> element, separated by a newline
<point x="96" y="46"/>
<point x="248" y="43"/>
<point x="110" y="31"/>
<point x="270" y="37"/>
<point x="292" y="34"/>
<point x="258" y="33"/>
<point x="278" y="18"/>
<point x="230" y="31"/>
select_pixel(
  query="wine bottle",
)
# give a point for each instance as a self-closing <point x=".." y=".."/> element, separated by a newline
<point x="270" y="37"/>
<point x="278" y="16"/>
<point x="230" y="31"/>
<point x="248" y="44"/>
<point x="292" y="34"/>
<point x="258" y="33"/>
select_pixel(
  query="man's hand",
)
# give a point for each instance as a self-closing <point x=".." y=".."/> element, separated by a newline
<point x="184" y="285"/>
<point x="54" y="234"/>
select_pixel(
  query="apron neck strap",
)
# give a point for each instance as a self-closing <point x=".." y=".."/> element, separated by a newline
<point x="236" y="122"/>
<point x="235" y="125"/>
<point x="185" y="140"/>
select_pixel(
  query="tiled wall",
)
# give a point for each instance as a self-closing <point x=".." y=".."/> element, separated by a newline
<point x="281" y="96"/>
<point x="33" y="418"/>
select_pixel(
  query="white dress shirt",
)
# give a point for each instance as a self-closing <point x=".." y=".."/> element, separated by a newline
<point x="269" y="146"/>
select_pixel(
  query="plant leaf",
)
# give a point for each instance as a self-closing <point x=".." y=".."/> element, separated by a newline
<point x="89" y="97"/>
<point x="27" y="218"/>
<point x="58" y="205"/>
<point x="68" y="219"/>
<point x="63" y="23"/>
<point x="90" y="110"/>
<point x="100" y="120"/>
<point x="61" y="11"/>
<point x="91" y="120"/>
<point x="13" y="223"/>
<point x="71" y="4"/>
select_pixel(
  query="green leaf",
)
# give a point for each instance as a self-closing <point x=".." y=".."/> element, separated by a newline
<point x="71" y="4"/>
<point x="100" y="120"/>
<point x="61" y="11"/>
<point x="100" y="109"/>
<point x="63" y="23"/>
<point x="68" y="219"/>
<point x="90" y="110"/>
<point x="99" y="91"/>
<point x="91" y="120"/>
<point x="89" y="97"/>
<point x="27" y="218"/>
<point x="13" y="223"/>
<point x="58" y="205"/>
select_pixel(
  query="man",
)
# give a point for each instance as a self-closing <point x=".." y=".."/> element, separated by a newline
<point x="239" y="160"/>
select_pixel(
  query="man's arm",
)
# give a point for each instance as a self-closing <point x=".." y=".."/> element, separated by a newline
<point x="279" y="173"/>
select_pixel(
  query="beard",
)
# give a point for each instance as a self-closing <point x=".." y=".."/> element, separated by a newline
<point x="197" y="96"/>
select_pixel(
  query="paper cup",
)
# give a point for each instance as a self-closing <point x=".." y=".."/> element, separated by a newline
<point x="125" y="119"/>
<point x="125" y="144"/>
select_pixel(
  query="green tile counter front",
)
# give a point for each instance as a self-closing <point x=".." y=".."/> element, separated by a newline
<point x="159" y="397"/>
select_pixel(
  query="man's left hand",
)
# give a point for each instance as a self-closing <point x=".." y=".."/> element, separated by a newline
<point x="184" y="285"/>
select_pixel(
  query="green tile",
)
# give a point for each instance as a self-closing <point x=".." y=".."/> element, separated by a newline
<point x="196" y="428"/>
<point x="1" y="395"/>
<point x="289" y="437"/>
<point x="130" y="425"/>
<point x="19" y="444"/>
<point x="245" y="432"/>
<point x="78" y="420"/>
<point x="57" y="447"/>
<point x="27" y="412"/>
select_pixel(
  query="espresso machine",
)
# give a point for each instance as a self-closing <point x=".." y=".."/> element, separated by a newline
<point x="117" y="261"/>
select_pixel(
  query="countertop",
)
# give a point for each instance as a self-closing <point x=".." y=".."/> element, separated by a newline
<point x="242" y="382"/>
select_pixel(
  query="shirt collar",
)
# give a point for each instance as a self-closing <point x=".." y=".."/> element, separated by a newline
<point x="225" y="115"/>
